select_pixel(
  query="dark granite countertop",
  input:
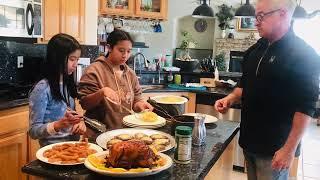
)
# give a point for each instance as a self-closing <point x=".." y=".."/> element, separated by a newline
<point x="216" y="90"/>
<point x="13" y="103"/>
<point x="219" y="135"/>
<point x="221" y="73"/>
<point x="210" y="91"/>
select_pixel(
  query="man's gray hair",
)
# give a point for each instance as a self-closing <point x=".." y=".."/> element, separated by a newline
<point x="290" y="5"/>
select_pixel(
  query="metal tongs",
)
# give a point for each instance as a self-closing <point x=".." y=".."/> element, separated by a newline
<point x="119" y="104"/>
<point x="137" y="115"/>
<point x="160" y="109"/>
<point x="93" y="123"/>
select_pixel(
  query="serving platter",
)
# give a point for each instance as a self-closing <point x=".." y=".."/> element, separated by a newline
<point x="127" y="174"/>
<point x="103" y="138"/>
<point x="41" y="157"/>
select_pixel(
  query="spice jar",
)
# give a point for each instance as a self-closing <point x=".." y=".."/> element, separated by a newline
<point x="183" y="138"/>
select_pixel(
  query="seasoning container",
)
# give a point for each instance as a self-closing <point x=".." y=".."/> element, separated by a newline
<point x="177" y="79"/>
<point x="199" y="130"/>
<point x="170" y="77"/>
<point x="183" y="137"/>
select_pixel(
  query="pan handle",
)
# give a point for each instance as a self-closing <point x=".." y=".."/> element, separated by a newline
<point x="185" y="97"/>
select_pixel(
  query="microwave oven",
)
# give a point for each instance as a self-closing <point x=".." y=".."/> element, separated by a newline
<point x="21" y="18"/>
<point x="83" y="63"/>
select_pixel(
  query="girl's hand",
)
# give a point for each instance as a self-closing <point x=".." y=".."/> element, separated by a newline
<point x="79" y="128"/>
<point x="142" y="105"/>
<point x="111" y="94"/>
<point x="70" y="118"/>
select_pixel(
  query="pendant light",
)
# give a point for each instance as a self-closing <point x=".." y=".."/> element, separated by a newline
<point x="202" y="11"/>
<point x="245" y="10"/>
<point x="299" y="12"/>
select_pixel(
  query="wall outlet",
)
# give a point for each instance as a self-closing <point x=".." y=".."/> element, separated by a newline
<point x="20" y="62"/>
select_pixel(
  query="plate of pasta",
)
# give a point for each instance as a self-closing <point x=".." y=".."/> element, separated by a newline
<point x="67" y="153"/>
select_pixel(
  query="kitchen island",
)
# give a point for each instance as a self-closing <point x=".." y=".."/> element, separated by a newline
<point x="219" y="135"/>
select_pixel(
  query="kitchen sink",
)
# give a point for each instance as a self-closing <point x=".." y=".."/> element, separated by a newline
<point x="151" y="87"/>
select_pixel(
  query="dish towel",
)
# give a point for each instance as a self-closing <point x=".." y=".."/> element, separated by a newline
<point x="183" y="87"/>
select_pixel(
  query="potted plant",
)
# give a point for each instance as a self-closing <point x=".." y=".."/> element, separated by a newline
<point x="220" y="61"/>
<point x="225" y="15"/>
<point x="187" y="43"/>
<point x="187" y="40"/>
<point x="185" y="62"/>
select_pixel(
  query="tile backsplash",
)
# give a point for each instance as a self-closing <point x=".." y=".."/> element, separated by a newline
<point x="10" y="50"/>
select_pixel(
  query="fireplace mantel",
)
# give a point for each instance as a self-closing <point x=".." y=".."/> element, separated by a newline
<point x="227" y="45"/>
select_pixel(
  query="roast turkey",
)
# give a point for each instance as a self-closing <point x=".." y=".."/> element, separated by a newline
<point x="131" y="154"/>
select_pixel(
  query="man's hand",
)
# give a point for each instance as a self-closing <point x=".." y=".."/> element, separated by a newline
<point x="142" y="105"/>
<point x="282" y="159"/>
<point x="222" y="105"/>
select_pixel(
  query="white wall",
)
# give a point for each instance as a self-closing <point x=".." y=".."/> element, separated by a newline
<point x="203" y="39"/>
<point x="179" y="15"/>
<point x="91" y="24"/>
<point x="179" y="12"/>
<point x="166" y="41"/>
<point x="310" y="5"/>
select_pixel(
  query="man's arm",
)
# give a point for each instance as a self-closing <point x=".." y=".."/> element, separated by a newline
<point x="284" y="156"/>
<point x="235" y="96"/>
<point x="222" y="105"/>
<point x="300" y="123"/>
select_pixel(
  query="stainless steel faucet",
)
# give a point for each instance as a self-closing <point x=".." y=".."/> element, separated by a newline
<point x="135" y="58"/>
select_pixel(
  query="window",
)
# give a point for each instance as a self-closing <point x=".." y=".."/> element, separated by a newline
<point x="308" y="30"/>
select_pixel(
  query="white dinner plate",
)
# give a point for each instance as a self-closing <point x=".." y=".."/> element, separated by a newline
<point x="40" y="152"/>
<point x="103" y="138"/>
<point x="128" y="174"/>
<point x="146" y="127"/>
<point x="197" y="85"/>
<point x="208" y="119"/>
<point x="132" y="119"/>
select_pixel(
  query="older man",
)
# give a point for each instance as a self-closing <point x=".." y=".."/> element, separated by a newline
<point x="278" y="92"/>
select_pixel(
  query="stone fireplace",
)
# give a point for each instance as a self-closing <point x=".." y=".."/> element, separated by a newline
<point x="227" y="45"/>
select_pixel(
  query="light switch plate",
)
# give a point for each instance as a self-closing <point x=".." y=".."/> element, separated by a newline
<point x="20" y="62"/>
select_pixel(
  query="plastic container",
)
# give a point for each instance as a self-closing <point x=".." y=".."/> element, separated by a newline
<point x="163" y="60"/>
<point x="216" y="74"/>
<point x="170" y="77"/>
<point x="168" y="62"/>
<point x="183" y="135"/>
<point x="177" y="79"/>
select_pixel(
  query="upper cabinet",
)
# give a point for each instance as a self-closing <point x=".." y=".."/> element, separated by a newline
<point x="72" y="18"/>
<point x="51" y="19"/>
<point x="154" y="9"/>
<point x="64" y="16"/>
<point x="117" y="7"/>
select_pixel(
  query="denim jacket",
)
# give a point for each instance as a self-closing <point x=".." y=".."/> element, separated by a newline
<point x="43" y="109"/>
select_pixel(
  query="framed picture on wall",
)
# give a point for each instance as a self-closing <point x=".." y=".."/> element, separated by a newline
<point x="246" y="24"/>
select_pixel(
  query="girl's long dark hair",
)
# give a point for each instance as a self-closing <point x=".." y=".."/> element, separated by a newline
<point x="59" y="48"/>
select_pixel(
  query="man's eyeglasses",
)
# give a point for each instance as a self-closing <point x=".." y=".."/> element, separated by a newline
<point x="261" y="15"/>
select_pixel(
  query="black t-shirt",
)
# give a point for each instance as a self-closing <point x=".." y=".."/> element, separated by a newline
<point x="278" y="80"/>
